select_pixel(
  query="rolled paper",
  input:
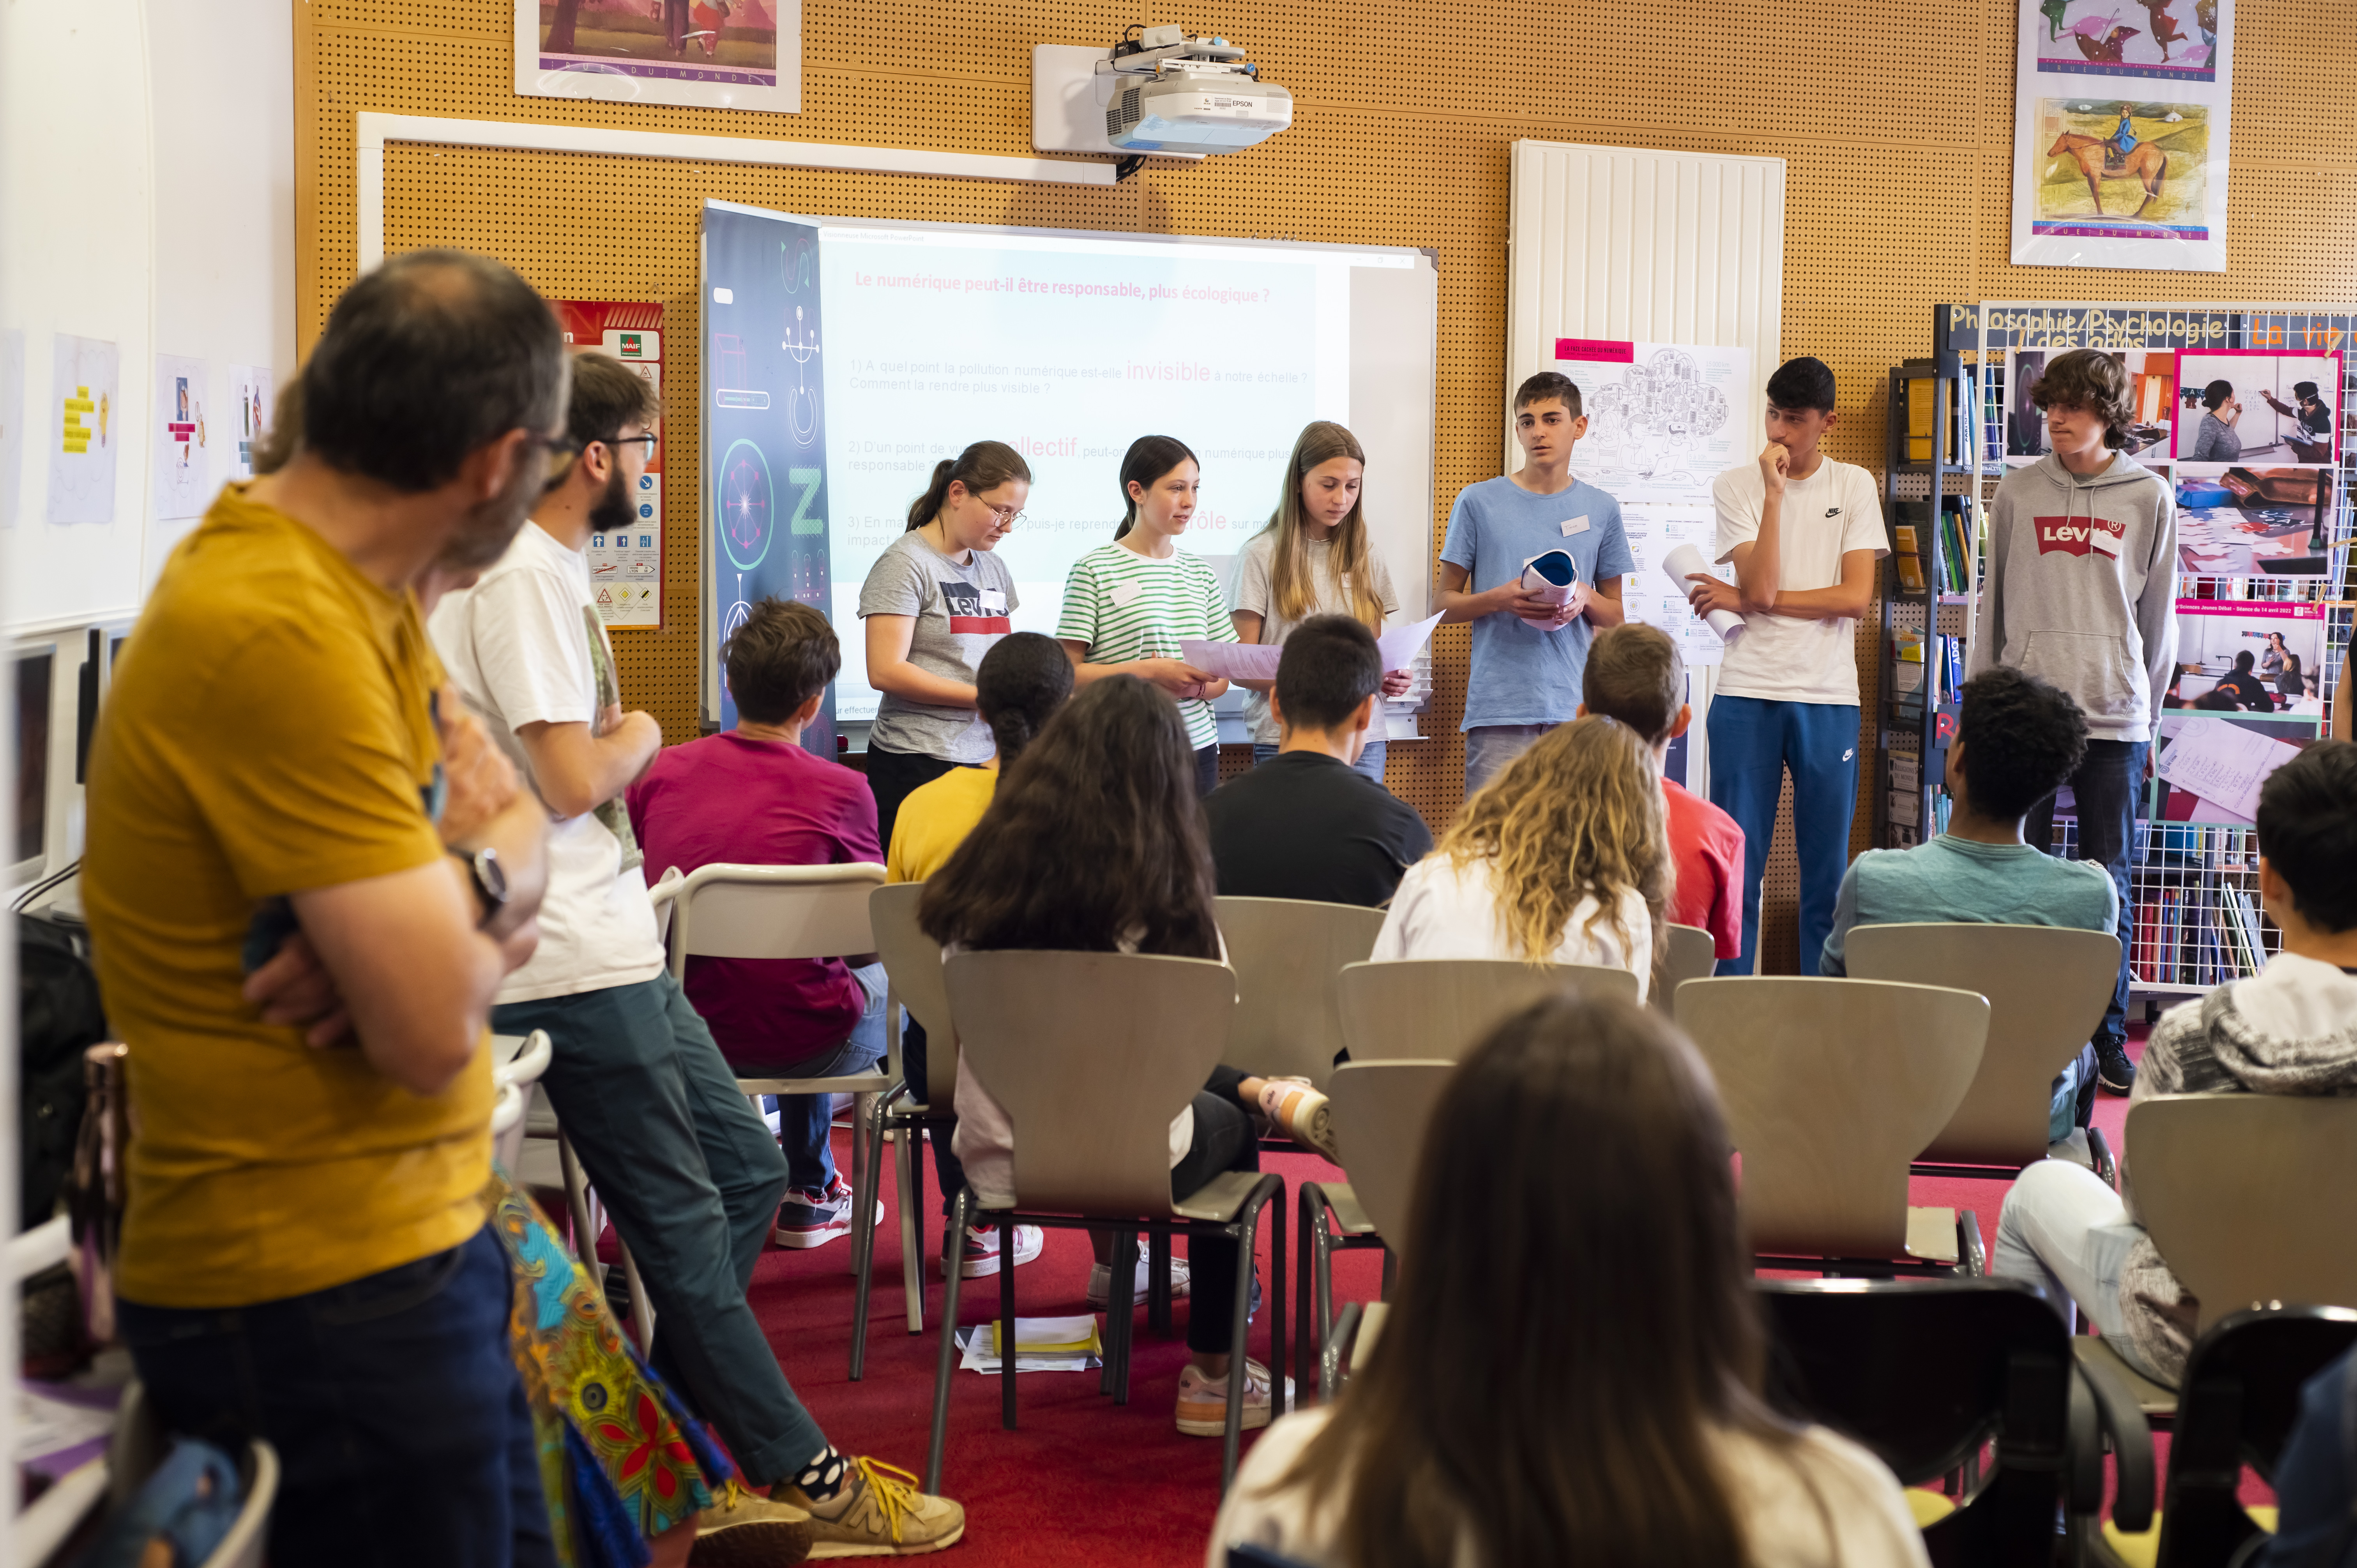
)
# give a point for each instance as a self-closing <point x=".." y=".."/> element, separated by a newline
<point x="1681" y="565"/>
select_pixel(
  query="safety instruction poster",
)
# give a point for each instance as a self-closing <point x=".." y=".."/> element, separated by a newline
<point x="626" y="565"/>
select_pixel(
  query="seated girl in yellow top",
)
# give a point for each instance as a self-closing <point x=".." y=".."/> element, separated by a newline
<point x="1020" y="683"/>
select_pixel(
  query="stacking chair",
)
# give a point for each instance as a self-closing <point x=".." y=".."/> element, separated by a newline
<point x="1694" y="953"/>
<point x="789" y="911"/>
<point x="1419" y="1010"/>
<point x="140" y="1443"/>
<point x="1288" y="956"/>
<point x="1092" y="1055"/>
<point x="2249" y="1198"/>
<point x="1831" y="1087"/>
<point x="1926" y="1372"/>
<point x="2241" y="1401"/>
<point x="2047" y="989"/>
<point x="912" y="961"/>
<point x="519" y="1061"/>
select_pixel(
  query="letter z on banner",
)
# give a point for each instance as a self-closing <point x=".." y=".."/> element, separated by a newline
<point x="763" y="467"/>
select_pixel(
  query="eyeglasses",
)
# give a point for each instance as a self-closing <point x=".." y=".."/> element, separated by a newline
<point x="1006" y="516"/>
<point x="618" y="442"/>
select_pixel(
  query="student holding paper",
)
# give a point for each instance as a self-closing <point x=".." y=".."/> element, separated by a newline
<point x="1803" y="532"/>
<point x="934" y="603"/>
<point x="1127" y="605"/>
<point x="1313" y="559"/>
<point x="1529" y="649"/>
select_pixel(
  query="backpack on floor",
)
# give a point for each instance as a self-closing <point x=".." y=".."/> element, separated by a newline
<point x="59" y="1016"/>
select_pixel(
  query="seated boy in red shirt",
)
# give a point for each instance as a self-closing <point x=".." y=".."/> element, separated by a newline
<point x="752" y="796"/>
<point x="1635" y="674"/>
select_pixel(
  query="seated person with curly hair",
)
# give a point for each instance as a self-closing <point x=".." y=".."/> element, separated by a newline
<point x="2017" y="739"/>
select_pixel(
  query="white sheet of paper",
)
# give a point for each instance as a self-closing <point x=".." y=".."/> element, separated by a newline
<point x="1400" y="648"/>
<point x="1684" y="563"/>
<point x="2223" y="763"/>
<point x="1233" y="660"/>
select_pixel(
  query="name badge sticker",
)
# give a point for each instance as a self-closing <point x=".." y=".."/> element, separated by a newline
<point x="1127" y="594"/>
<point x="1575" y="525"/>
<point x="994" y="601"/>
<point x="2103" y="540"/>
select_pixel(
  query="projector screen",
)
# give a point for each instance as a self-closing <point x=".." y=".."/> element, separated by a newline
<point x="843" y="357"/>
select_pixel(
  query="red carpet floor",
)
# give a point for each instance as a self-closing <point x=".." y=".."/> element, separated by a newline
<point x="1083" y="1481"/>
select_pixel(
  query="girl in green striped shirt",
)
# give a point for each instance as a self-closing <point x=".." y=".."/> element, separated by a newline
<point x="1127" y="604"/>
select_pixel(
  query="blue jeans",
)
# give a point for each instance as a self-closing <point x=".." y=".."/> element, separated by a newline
<point x="393" y="1404"/>
<point x="1490" y="748"/>
<point x="2106" y="787"/>
<point x="803" y="1118"/>
<point x="1370" y="761"/>
<point x="1753" y="742"/>
<point x="692" y="1180"/>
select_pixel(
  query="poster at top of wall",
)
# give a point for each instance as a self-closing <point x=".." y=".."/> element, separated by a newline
<point x="625" y="541"/>
<point x="711" y="54"/>
<point x="1664" y="421"/>
<point x="180" y="467"/>
<point x="86" y="401"/>
<point x="2120" y="133"/>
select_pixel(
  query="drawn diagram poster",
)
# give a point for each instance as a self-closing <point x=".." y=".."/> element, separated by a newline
<point x="626" y="563"/>
<point x="1662" y="423"/>
<point x="2120" y="133"/>
<point x="12" y="423"/>
<point x="249" y="386"/>
<point x="86" y="400"/>
<point x="763" y="468"/>
<point x="181" y="467"/>
<point x="713" y="54"/>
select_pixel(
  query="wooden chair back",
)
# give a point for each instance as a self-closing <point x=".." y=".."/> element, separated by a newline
<point x="2047" y="989"/>
<point x="1091" y="1055"/>
<point x="913" y="962"/>
<point x="773" y="911"/>
<point x="1380" y="1111"/>
<point x="2250" y="1198"/>
<point x="1831" y="1088"/>
<point x="1692" y="954"/>
<point x="1435" y="1009"/>
<point x="1288" y="955"/>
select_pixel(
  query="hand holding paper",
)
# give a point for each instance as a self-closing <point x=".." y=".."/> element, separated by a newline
<point x="1257" y="660"/>
<point x="1682" y="563"/>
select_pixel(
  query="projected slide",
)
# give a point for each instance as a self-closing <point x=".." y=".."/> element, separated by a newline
<point x="825" y="425"/>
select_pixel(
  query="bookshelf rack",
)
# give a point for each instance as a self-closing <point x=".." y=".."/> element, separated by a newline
<point x="2193" y="886"/>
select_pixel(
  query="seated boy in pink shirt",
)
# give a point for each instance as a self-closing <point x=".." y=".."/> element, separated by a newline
<point x="1635" y="674"/>
<point x="753" y="796"/>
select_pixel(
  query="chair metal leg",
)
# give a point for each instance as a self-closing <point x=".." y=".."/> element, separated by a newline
<point x="1305" y="1348"/>
<point x="863" y="1237"/>
<point x="1391" y="1272"/>
<point x="576" y="1200"/>
<point x="912" y="1235"/>
<point x="1007" y="1346"/>
<point x="1124" y="1303"/>
<point x="1239" y="1343"/>
<point x="863" y="1180"/>
<point x="1321" y="1258"/>
<point x="942" y="1365"/>
<point x="642" y="1309"/>
<point x="1969" y="1248"/>
<point x="1157" y="1278"/>
<point x="1279" y="1404"/>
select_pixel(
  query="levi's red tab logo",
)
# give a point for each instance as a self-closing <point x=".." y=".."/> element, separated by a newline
<point x="972" y="611"/>
<point x="2076" y="535"/>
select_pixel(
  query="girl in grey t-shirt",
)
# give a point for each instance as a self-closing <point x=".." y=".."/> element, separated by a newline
<point x="934" y="603"/>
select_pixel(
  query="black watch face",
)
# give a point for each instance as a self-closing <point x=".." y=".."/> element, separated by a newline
<point x="493" y="875"/>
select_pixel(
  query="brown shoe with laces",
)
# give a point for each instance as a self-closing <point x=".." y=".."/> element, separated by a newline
<point x="746" y="1530"/>
<point x="878" y="1513"/>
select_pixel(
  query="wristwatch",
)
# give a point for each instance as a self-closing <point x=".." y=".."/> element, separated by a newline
<point x="491" y="879"/>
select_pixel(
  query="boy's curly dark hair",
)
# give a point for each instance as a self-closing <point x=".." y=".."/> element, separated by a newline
<point x="2092" y="379"/>
<point x="2022" y="738"/>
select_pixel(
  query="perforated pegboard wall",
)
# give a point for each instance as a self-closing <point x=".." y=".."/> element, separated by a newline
<point x="1896" y="130"/>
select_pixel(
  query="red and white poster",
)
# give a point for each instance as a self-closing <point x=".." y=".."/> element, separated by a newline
<point x="626" y="565"/>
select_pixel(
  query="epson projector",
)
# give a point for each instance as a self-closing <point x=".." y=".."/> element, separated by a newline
<point x="1161" y="94"/>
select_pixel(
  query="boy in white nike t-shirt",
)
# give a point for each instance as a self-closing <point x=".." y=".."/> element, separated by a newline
<point x="1803" y="532"/>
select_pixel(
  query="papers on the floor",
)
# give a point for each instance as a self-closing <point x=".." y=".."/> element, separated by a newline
<point x="2223" y="763"/>
<point x="1041" y="1345"/>
<point x="1257" y="660"/>
<point x="1681" y="565"/>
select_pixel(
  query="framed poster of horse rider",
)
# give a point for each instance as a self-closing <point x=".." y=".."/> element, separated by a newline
<point x="2120" y="133"/>
<point x="713" y="54"/>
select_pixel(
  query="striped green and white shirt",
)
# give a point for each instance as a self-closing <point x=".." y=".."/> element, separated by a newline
<point x="1124" y="605"/>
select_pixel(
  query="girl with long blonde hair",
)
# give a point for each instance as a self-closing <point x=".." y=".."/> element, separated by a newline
<point x="1314" y="558"/>
<point x="1563" y="857"/>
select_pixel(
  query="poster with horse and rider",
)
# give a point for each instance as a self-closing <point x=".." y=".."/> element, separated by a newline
<point x="2120" y="133"/>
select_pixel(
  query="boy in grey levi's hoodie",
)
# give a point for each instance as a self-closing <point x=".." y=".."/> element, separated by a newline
<point x="2291" y="1029"/>
<point x="2081" y="592"/>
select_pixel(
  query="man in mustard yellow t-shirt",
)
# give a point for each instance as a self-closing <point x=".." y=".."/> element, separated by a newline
<point x="304" y="1252"/>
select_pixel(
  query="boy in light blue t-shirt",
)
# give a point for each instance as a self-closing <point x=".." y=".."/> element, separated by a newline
<point x="1529" y="655"/>
<point x="2017" y="739"/>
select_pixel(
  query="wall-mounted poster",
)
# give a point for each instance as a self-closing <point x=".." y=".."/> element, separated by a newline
<point x="2120" y="133"/>
<point x="2152" y="388"/>
<point x="626" y="543"/>
<point x="2234" y="520"/>
<point x="2256" y="404"/>
<point x="181" y="471"/>
<point x="86" y="428"/>
<point x="712" y="54"/>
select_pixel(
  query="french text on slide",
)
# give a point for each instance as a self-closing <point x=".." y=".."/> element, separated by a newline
<point x="1144" y="293"/>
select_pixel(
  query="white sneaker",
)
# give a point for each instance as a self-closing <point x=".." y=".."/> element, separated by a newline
<point x="1100" y="1281"/>
<point x="1203" y="1401"/>
<point x="982" y="1249"/>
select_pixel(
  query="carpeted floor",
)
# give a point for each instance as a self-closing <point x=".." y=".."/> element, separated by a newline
<point x="1083" y="1481"/>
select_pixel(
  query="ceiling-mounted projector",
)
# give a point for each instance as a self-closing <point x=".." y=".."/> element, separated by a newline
<point x="1162" y="93"/>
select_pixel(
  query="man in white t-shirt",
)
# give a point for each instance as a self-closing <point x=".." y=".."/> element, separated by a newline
<point x="1803" y="532"/>
<point x="682" y="1162"/>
